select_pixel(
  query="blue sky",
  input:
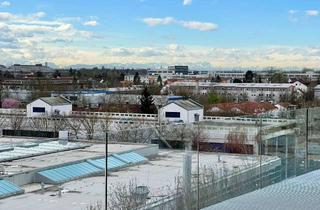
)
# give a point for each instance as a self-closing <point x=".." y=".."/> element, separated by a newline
<point x="216" y="33"/>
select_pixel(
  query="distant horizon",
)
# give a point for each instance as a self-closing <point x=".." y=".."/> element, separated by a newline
<point x="165" y="66"/>
<point x="220" y="34"/>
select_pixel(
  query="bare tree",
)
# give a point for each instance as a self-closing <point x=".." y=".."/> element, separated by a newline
<point x="181" y="133"/>
<point x="58" y="123"/>
<point x="121" y="133"/>
<point x="124" y="196"/>
<point x="89" y="123"/>
<point x="74" y="124"/>
<point x="237" y="142"/>
<point x="16" y="122"/>
<point x="198" y="136"/>
<point x="105" y="123"/>
<point x="96" y="206"/>
<point x="3" y="121"/>
<point x="39" y="123"/>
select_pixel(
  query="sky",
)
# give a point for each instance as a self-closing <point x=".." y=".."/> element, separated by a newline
<point x="204" y="33"/>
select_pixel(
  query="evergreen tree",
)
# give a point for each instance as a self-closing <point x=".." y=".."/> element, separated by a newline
<point x="146" y="102"/>
<point x="218" y="78"/>
<point x="136" y="79"/>
<point x="249" y="77"/>
<point x="39" y="74"/>
<point x="121" y="77"/>
<point x="279" y="77"/>
<point x="159" y="80"/>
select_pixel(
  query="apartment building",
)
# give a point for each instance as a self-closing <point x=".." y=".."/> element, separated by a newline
<point x="30" y="68"/>
<point x="271" y="92"/>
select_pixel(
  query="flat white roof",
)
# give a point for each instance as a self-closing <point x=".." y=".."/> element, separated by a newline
<point x="157" y="174"/>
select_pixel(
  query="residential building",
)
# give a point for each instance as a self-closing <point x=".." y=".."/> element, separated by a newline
<point x="271" y="92"/>
<point x="143" y="78"/>
<point x="49" y="106"/>
<point x="30" y="68"/>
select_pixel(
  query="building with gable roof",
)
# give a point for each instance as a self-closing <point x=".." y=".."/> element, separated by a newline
<point x="184" y="111"/>
<point x="49" y="106"/>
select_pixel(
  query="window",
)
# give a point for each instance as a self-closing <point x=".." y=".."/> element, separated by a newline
<point x="173" y="114"/>
<point x="39" y="109"/>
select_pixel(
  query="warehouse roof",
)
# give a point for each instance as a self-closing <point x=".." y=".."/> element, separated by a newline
<point x="56" y="101"/>
<point x="188" y="104"/>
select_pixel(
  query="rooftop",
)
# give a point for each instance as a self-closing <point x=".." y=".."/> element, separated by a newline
<point x="188" y="104"/>
<point x="159" y="173"/>
<point x="56" y="101"/>
<point x="244" y="107"/>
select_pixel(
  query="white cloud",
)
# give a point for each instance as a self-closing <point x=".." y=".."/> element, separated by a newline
<point x="5" y="4"/>
<point x="90" y="23"/>
<point x="201" y="26"/>
<point x="4" y="16"/>
<point x="276" y="56"/>
<point x="38" y="15"/>
<point x="195" y="25"/>
<point x="159" y="21"/>
<point x="28" y="38"/>
<point x="187" y="2"/>
<point x="312" y="13"/>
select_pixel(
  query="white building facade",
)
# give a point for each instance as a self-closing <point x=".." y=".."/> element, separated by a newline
<point x="317" y="92"/>
<point x="49" y="106"/>
<point x="143" y="78"/>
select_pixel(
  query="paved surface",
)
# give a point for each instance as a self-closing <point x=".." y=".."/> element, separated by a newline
<point x="300" y="193"/>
